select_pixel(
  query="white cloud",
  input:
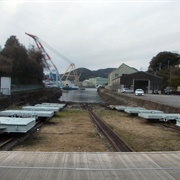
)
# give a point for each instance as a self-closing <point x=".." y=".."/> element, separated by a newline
<point x="96" y="34"/>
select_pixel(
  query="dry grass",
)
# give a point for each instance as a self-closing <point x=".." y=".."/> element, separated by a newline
<point x="70" y="131"/>
<point x="141" y="134"/>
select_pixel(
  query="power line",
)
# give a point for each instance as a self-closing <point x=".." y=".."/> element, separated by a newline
<point x="56" y="52"/>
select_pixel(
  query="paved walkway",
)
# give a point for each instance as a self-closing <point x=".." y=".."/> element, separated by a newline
<point x="89" y="166"/>
<point x="171" y="100"/>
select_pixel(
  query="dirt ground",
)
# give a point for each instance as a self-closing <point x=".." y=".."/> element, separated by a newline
<point x="72" y="131"/>
<point x="140" y="134"/>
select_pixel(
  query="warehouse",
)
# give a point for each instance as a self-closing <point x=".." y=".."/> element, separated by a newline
<point x="141" y="80"/>
<point x="113" y="77"/>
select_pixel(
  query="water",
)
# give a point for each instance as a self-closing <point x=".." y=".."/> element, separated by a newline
<point x="89" y="95"/>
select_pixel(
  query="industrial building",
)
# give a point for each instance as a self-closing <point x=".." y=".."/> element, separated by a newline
<point x="87" y="83"/>
<point x="141" y="80"/>
<point x="94" y="82"/>
<point x="113" y="78"/>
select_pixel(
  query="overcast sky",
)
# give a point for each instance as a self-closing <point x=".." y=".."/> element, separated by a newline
<point x="95" y="34"/>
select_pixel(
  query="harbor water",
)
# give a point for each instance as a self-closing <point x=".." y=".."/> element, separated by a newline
<point x="89" y="95"/>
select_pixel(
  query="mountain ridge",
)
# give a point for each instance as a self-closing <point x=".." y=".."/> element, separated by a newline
<point x="85" y="73"/>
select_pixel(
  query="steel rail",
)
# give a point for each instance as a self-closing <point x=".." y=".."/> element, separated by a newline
<point x="118" y="144"/>
<point x="6" y="142"/>
<point x="13" y="141"/>
<point x="174" y="127"/>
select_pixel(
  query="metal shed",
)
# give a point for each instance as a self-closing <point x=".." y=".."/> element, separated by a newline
<point x="16" y="125"/>
<point x="142" y="80"/>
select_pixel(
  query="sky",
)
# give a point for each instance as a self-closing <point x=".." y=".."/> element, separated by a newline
<point x="95" y="34"/>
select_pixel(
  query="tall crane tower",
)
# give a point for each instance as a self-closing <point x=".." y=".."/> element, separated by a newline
<point x="71" y="70"/>
<point x="48" y="62"/>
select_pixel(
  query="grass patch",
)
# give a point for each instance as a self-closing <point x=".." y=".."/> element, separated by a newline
<point x="71" y="130"/>
<point x="141" y="134"/>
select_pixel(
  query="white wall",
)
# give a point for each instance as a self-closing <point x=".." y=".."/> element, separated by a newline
<point x="6" y="85"/>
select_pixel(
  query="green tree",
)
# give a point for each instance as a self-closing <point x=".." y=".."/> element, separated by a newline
<point x="25" y="66"/>
<point x="12" y="41"/>
<point x="18" y="54"/>
<point x="5" y="66"/>
<point x="35" y="65"/>
<point x="164" y="65"/>
<point x="163" y="60"/>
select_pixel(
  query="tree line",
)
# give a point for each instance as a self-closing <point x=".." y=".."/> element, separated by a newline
<point x="24" y="66"/>
<point x="167" y="65"/>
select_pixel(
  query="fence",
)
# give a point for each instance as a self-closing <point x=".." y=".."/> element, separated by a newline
<point x="22" y="88"/>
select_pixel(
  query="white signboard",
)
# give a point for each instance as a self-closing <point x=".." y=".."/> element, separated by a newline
<point x="6" y="85"/>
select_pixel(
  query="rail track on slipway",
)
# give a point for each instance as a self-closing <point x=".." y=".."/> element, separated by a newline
<point x="116" y="142"/>
<point x="9" y="141"/>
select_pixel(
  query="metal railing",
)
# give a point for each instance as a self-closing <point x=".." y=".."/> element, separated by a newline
<point x="23" y="88"/>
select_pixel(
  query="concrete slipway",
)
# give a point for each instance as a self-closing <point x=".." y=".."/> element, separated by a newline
<point x="16" y="125"/>
<point x="136" y="111"/>
<point x="162" y="116"/>
<point x="50" y="105"/>
<point x="41" y="108"/>
<point x="148" y="114"/>
<point x="21" y="121"/>
<point x="122" y="108"/>
<point x="54" y="104"/>
<point x="24" y="113"/>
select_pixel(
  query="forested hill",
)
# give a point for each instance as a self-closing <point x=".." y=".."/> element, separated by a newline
<point x="85" y="73"/>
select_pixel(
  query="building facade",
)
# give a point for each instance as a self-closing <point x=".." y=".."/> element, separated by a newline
<point x="141" y="80"/>
<point x="99" y="81"/>
<point x="94" y="82"/>
<point x="114" y="76"/>
<point x="87" y="83"/>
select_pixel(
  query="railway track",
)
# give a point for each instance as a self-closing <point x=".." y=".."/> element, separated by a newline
<point x="170" y="125"/>
<point x="9" y="142"/>
<point x="117" y="143"/>
<point x="4" y="143"/>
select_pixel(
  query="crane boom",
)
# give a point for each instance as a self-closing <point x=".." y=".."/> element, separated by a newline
<point x="47" y="59"/>
<point x="71" y="71"/>
<point x="41" y="48"/>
